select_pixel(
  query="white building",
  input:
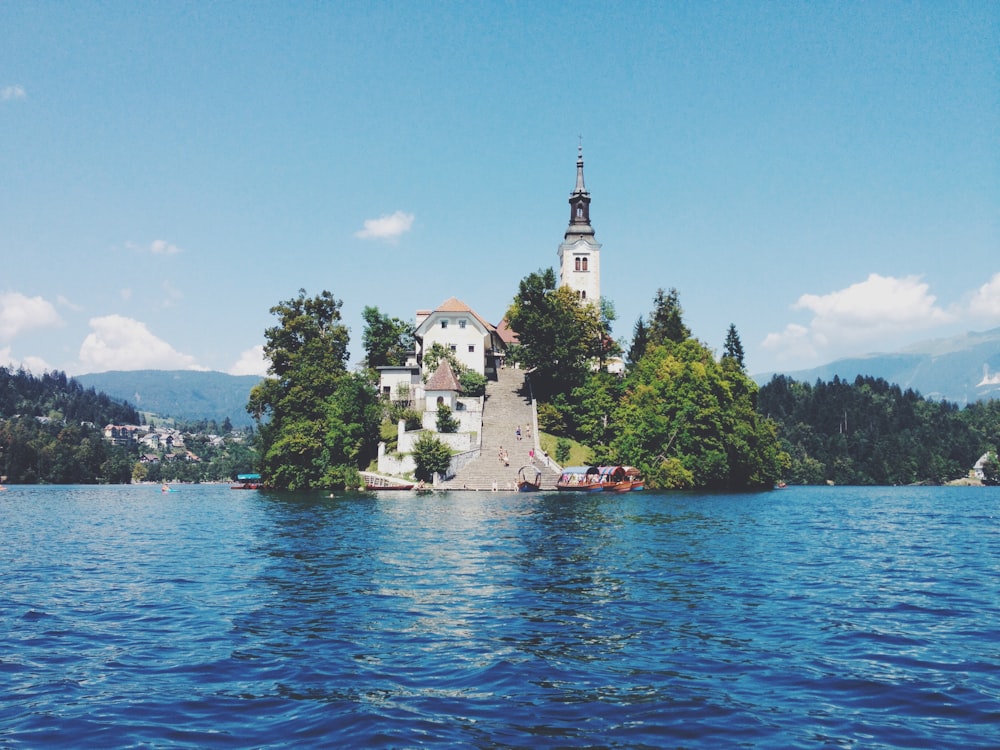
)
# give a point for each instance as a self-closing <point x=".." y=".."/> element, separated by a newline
<point x="460" y="330"/>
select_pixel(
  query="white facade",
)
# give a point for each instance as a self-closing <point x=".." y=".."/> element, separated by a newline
<point x="580" y="268"/>
<point x="456" y="327"/>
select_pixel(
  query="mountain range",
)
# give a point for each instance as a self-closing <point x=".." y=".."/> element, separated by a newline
<point x="179" y="394"/>
<point x="961" y="369"/>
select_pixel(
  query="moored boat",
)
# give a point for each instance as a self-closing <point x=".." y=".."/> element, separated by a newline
<point x="580" y="479"/>
<point x="379" y="482"/>
<point x="633" y="479"/>
<point x="247" y="482"/>
<point x="529" y="478"/>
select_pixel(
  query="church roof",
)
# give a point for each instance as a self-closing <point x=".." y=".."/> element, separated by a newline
<point x="507" y="334"/>
<point x="443" y="379"/>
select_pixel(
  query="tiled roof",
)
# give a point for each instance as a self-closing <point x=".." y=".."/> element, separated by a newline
<point x="443" y="379"/>
<point x="507" y="334"/>
<point x="453" y="304"/>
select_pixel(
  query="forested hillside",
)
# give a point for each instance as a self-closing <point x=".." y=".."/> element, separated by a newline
<point x="872" y="432"/>
<point x="51" y="430"/>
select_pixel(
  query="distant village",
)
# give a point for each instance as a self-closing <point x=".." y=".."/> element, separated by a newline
<point x="161" y="443"/>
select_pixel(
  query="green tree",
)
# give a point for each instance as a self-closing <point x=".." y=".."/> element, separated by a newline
<point x="687" y="421"/>
<point x="431" y="457"/>
<point x="559" y="337"/>
<point x="316" y="423"/>
<point x="445" y="421"/>
<point x="666" y="321"/>
<point x="473" y="383"/>
<point x="387" y="341"/>
<point x="640" y="338"/>
<point x="733" y="347"/>
<point x="563" y="449"/>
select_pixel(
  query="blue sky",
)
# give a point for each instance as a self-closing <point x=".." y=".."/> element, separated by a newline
<point x="824" y="175"/>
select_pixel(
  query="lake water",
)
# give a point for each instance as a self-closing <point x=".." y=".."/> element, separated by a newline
<point x="800" y="618"/>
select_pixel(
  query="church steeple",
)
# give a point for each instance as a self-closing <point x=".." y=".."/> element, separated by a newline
<point x="579" y="204"/>
<point x="580" y="253"/>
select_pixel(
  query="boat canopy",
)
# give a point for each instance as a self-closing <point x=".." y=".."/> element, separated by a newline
<point x="248" y="477"/>
<point x="612" y="473"/>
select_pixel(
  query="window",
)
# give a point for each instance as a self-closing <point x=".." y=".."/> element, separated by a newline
<point x="583" y="294"/>
<point x="461" y="323"/>
<point x="580" y="263"/>
<point x="472" y="348"/>
<point x="444" y="323"/>
<point x="453" y="347"/>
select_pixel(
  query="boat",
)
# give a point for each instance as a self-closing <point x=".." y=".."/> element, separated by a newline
<point x="529" y="478"/>
<point x="379" y="482"/>
<point x="580" y="479"/>
<point x="247" y="482"/>
<point x="612" y="478"/>
<point x="632" y="482"/>
<point x="601" y="479"/>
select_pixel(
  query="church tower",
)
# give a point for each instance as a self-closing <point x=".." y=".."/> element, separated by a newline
<point x="580" y="253"/>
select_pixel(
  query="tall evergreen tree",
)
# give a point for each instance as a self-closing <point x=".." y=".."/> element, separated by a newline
<point x="733" y="346"/>
<point x="666" y="322"/>
<point x="640" y="338"/>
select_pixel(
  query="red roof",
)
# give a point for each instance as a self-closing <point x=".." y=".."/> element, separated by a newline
<point x="443" y="379"/>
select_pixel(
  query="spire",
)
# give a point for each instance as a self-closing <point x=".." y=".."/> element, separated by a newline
<point x="580" y="187"/>
<point x="579" y="203"/>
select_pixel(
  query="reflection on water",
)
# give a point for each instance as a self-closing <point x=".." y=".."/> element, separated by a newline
<point x="845" y="617"/>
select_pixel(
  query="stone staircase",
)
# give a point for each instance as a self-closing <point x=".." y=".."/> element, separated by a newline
<point x="507" y="407"/>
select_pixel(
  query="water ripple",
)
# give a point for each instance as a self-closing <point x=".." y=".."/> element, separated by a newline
<point x="856" y="618"/>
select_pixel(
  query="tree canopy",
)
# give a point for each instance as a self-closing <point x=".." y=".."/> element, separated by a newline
<point x="560" y="337"/>
<point x="687" y="421"/>
<point x="387" y="341"/>
<point x="317" y="423"/>
<point x="872" y="432"/>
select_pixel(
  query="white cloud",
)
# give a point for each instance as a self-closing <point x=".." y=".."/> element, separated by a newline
<point x="985" y="301"/>
<point x="873" y="310"/>
<point x="9" y="93"/>
<point x="162" y="247"/>
<point x="251" y="362"/>
<point x="387" y="227"/>
<point x="119" y="343"/>
<point x="19" y="313"/>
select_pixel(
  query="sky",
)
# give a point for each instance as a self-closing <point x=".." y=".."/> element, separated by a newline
<point x="824" y="176"/>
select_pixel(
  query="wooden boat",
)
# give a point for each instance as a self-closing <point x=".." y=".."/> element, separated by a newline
<point x="632" y="480"/>
<point x="247" y="482"/>
<point x="529" y="478"/>
<point x="379" y="482"/>
<point x="580" y="479"/>
<point x="612" y="478"/>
